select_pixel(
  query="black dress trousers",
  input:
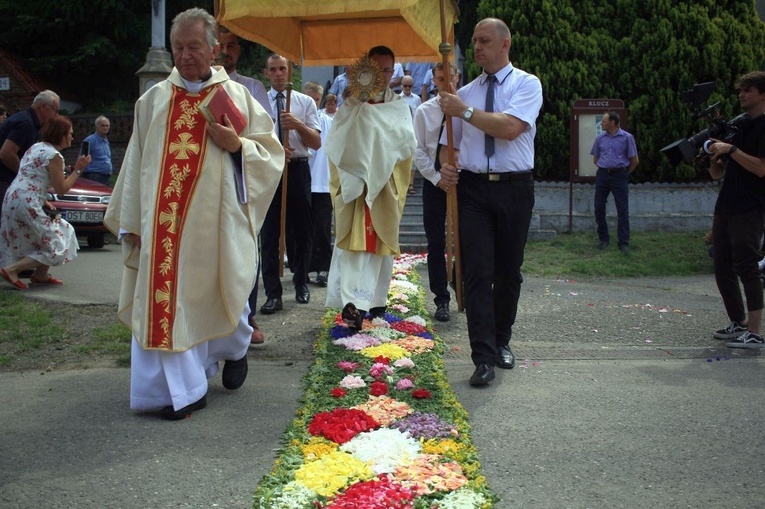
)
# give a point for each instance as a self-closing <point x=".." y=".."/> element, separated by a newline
<point x="494" y="222"/>
<point x="299" y="230"/>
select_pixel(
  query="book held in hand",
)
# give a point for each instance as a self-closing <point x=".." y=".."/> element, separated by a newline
<point x="219" y="103"/>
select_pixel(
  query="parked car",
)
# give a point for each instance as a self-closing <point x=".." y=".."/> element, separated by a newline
<point x="84" y="207"/>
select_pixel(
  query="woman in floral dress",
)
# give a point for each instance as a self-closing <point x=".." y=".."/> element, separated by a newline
<point x="29" y="239"/>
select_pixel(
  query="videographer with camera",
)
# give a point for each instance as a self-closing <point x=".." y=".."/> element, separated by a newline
<point x="739" y="215"/>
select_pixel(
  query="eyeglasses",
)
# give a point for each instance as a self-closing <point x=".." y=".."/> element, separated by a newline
<point x="406" y="86"/>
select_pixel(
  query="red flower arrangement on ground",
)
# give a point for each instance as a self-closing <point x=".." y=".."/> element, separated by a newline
<point x="341" y="424"/>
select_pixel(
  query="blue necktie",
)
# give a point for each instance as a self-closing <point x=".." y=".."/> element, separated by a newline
<point x="489" y="140"/>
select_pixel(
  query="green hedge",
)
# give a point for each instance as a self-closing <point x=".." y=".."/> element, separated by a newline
<point x="641" y="51"/>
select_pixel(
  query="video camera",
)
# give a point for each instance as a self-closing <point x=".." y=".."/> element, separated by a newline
<point x="697" y="146"/>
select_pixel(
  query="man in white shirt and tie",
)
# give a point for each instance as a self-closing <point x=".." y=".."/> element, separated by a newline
<point x="494" y="120"/>
<point x="428" y="125"/>
<point x="302" y="122"/>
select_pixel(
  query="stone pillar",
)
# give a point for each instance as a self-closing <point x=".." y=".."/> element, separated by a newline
<point x="159" y="62"/>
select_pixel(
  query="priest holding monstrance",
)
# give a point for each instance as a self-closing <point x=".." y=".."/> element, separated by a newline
<point x="188" y="203"/>
<point x="370" y="150"/>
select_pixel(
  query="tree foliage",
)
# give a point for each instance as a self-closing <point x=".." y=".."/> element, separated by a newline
<point x="463" y="31"/>
<point x="641" y="51"/>
<point x="90" y="50"/>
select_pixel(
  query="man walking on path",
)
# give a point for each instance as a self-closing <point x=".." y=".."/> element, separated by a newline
<point x="188" y="203"/>
<point x="321" y="199"/>
<point x="494" y="120"/>
<point x="302" y="121"/>
<point x="370" y="151"/>
<point x="428" y="125"/>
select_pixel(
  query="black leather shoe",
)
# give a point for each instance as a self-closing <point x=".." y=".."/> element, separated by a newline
<point x="185" y="412"/>
<point x="378" y="312"/>
<point x="442" y="312"/>
<point x="483" y="374"/>
<point x="624" y="248"/>
<point x="505" y="359"/>
<point x="235" y="373"/>
<point x="353" y="317"/>
<point x="603" y="244"/>
<point x="322" y="278"/>
<point x="302" y="295"/>
<point x="271" y="306"/>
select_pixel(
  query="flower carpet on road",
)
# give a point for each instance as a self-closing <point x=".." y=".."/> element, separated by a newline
<point x="379" y="427"/>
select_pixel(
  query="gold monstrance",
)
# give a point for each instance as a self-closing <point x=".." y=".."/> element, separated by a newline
<point x="365" y="79"/>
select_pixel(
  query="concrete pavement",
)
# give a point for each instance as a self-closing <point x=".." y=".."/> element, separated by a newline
<point x="620" y="399"/>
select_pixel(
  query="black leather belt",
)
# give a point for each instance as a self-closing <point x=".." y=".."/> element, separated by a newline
<point x="499" y="177"/>
<point x="298" y="159"/>
<point x="611" y="171"/>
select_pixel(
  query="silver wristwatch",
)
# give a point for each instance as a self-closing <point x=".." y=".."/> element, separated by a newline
<point x="467" y="114"/>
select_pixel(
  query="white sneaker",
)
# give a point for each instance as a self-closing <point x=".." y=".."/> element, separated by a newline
<point x="748" y="340"/>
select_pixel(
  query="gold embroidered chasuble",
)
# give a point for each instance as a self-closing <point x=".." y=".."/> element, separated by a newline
<point x="370" y="150"/>
<point x="197" y="264"/>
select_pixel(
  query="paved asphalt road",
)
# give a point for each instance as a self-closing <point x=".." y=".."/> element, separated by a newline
<point x="620" y="399"/>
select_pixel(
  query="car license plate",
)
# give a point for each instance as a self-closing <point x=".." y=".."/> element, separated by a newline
<point x="83" y="216"/>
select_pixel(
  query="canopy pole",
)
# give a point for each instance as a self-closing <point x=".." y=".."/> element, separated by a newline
<point x="453" y="249"/>
<point x="286" y="145"/>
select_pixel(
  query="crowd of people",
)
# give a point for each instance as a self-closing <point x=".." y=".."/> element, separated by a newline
<point x="190" y="295"/>
<point x="33" y="236"/>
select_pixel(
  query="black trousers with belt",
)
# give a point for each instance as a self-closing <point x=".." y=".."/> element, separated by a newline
<point x="494" y="219"/>
<point x="299" y="230"/>
<point x="434" y="220"/>
<point x="321" y="214"/>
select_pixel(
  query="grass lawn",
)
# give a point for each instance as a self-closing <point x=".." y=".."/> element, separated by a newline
<point x="650" y="254"/>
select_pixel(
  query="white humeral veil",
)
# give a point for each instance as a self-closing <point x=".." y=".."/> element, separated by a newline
<point x="370" y="150"/>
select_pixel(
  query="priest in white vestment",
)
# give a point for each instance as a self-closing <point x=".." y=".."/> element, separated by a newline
<point x="370" y="150"/>
<point x="189" y="201"/>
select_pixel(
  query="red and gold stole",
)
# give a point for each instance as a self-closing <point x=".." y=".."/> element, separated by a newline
<point x="182" y="159"/>
<point x="370" y="235"/>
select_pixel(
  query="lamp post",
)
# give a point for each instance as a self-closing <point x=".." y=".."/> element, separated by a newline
<point x="159" y="62"/>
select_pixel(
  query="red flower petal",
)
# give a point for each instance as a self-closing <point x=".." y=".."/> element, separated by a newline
<point x="378" y="389"/>
<point x="338" y="392"/>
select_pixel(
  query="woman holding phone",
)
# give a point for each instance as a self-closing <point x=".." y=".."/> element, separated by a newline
<point x="29" y="238"/>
